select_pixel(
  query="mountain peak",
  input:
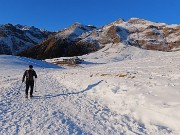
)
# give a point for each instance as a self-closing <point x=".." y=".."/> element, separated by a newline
<point x="74" y="31"/>
<point x="137" y="21"/>
<point x="76" y="24"/>
<point x="120" y="20"/>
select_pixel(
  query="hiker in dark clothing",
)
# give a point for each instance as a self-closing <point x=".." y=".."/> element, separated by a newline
<point x="29" y="74"/>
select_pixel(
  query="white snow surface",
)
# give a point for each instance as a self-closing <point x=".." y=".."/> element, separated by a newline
<point x="74" y="31"/>
<point x="119" y="90"/>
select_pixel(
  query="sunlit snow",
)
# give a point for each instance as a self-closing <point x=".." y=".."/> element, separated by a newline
<point x="117" y="90"/>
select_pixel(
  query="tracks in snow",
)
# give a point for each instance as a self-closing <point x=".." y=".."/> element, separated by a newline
<point x="58" y="110"/>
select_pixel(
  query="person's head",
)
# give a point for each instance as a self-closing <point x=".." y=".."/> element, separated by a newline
<point x="31" y="66"/>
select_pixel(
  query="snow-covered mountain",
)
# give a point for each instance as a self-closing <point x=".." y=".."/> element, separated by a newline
<point x="118" y="90"/>
<point x="80" y="39"/>
<point x="138" y="32"/>
<point x="148" y="35"/>
<point x="66" y="42"/>
<point x="73" y="32"/>
<point x="17" y="38"/>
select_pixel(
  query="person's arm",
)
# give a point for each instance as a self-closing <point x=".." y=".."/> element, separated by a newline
<point x="35" y="74"/>
<point x="24" y="76"/>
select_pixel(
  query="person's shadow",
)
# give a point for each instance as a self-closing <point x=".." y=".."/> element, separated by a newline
<point x="89" y="87"/>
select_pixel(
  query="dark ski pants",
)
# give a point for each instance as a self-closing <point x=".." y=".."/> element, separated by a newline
<point x="31" y="85"/>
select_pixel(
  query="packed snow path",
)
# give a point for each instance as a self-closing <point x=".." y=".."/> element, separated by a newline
<point x="54" y="109"/>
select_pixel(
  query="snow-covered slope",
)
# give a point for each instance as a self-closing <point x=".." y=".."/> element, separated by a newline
<point x="138" y="32"/>
<point x="117" y="90"/>
<point x="73" y="32"/>
<point x="16" y="38"/>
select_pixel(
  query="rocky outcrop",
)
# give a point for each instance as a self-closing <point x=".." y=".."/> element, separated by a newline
<point x="153" y="36"/>
<point x="16" y="38"/>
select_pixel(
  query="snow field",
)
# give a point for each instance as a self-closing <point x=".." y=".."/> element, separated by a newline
<point x="117" y="90"/>
<point x="144" y="89"/>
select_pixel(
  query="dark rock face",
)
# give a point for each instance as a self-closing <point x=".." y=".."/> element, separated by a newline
<point x="52" y="48"/>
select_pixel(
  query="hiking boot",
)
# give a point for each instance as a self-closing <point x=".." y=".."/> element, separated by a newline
<point x="26" y="96"/>
<point x="31" y="96"/>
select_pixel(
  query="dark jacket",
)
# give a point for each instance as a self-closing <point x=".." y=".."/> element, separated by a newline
<point x="29" y="74"/>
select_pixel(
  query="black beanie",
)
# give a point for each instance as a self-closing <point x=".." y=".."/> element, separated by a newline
<point x="30" y="66"/>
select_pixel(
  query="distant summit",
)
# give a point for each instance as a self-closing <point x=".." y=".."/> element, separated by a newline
<point x="73" y="32"/>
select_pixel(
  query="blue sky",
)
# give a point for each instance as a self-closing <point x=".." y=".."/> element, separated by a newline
<point x="55" y="15"/>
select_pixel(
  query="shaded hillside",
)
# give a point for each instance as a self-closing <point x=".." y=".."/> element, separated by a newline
<point x="52" y="48"/>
